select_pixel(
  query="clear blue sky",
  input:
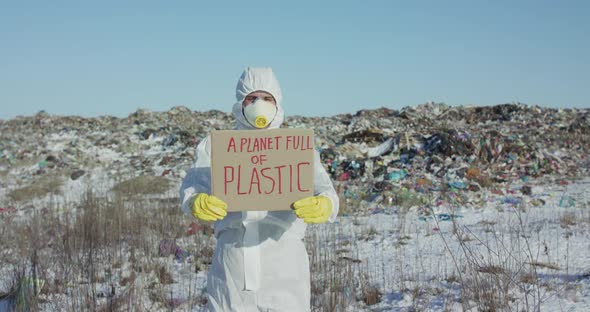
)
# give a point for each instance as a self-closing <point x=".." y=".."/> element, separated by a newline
<point x="111" y="57"/>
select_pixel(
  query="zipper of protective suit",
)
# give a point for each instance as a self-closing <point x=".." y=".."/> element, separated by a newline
<point x="251" y="243"/>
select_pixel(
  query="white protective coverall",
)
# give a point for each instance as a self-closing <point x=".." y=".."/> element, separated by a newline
<point x="260" y="262"/>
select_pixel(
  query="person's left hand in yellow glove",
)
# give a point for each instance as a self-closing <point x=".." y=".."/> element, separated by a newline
<point x="314" y="209"/>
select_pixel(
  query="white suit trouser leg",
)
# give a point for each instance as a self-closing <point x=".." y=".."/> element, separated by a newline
<point x="284" y="283"/>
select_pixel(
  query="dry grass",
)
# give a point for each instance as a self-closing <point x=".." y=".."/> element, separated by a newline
<point x="41" y="186"/>
<point x="26" y="162"/>
<point x="491" y="269"/>
<point x="334" y="278"/>
<point x="143" y="185"/>
<point x="545" y="265"/>
<point x="501" y="275"/>
<point x="114" y="241"/>
<point x="110" y="242"/>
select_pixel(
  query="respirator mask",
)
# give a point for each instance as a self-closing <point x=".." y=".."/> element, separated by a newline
<point x="260" y="113"/>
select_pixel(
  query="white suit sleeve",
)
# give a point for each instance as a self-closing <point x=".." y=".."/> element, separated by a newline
<point x="198" y="178"/>
<point x="323" y="185"/>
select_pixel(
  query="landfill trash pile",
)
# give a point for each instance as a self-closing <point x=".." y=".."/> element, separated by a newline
<point x="377" y="158"/>
<point x="418" y="187"/>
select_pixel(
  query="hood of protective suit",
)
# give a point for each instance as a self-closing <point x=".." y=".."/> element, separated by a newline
<point x="258" y="79"/>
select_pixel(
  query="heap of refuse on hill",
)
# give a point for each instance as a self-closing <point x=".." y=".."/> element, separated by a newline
<point x="377" y="158"/>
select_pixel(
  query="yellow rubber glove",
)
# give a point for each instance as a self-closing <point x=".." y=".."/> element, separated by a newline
<point x="209" y="208"/>
<point x="314" y="209"/>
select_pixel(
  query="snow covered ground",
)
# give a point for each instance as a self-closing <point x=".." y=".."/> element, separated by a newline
<point x="510" y="252"/>
<point x="525" y="256"/>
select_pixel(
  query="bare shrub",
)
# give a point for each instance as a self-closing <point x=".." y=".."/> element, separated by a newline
<point x="164" y="276"/>
<point x="371" y="295"/>
<point x="489" y="275"/>
<point x="369" y="233"/>
<point x="567" y="220"/>
<point x="333" y="278"/>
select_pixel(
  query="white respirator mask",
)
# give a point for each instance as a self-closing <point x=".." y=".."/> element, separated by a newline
<point x="260" y="113"/>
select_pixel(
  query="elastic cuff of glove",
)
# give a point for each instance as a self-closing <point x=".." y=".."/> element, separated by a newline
<point x="333" y="215"/>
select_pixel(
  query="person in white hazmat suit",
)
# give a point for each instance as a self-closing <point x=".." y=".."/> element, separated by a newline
<point x="260" y="262"/>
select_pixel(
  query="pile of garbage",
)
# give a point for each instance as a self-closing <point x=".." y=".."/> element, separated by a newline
<point x="375" y="157"/>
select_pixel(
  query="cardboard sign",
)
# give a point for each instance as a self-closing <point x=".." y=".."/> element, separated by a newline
<point x="262" y="169"/>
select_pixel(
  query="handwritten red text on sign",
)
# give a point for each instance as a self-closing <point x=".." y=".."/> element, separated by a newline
<point x="275" y="179"/>
<point x="263" y="164"/>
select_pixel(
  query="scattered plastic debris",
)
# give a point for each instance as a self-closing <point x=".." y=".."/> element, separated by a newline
<point x="526" y="190"/>
<point x="512" y="201"/>
<point x="77" y="174"/>
<point x="169" y="247"/>
<point x="567" y="201"/>
<point x="441" y="217"/>
<point x="397" y="175"/>
<point x="6" y="210"/>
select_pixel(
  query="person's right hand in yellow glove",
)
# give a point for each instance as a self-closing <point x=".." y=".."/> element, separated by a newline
<point x="314" y="209"/>
<point x="209" y="208"/>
